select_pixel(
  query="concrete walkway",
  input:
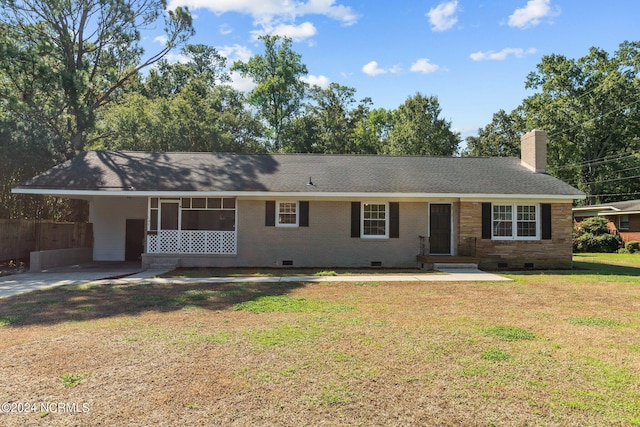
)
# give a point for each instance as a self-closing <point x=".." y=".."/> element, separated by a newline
<point x="123" y="273"/>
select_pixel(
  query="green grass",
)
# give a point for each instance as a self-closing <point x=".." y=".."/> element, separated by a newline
<point x="509" y="333"/>
<point x="11" y="319"/>
<point x="286" y="304"/>
<point x="630" y="260"/>
<point x="283" y="336"/>
<point x="495" y="354"/>
<point x="36" y="304"/>
<point x="152" y="300"/>
<point x="70" y="380"/>
<point x="326" y="273"/>
<point x="334" y="394"/>
<point x="551" y="348"/>
<point x="593" y="321"/>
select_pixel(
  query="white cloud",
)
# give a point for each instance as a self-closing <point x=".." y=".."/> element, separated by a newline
<point x="295" y="32"/>
<point x="266" y="10"/>
<point x="235" y="52"/>
<point x="396" y="69"/>
<point x="327" y="7"/>
<point x="173" y="58"/>
<point x="532" y="13"/>
<point x="242" y="84"/>
<point x="502" y="55"/>
<point x="161" y="39"/>
<point x="322" y="81"/>
<point x="225" y="29"/>
<point x="423" y="66"/>
<point x="442" y="17"/>
<point x="372" y="69"/>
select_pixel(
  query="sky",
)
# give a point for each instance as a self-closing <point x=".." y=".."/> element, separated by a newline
<point x="474" y="56"/>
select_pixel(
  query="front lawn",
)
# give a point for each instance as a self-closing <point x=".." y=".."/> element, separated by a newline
<point x="549" y="348"/>
<point x="274" y="272"/>
<point x="629" y="260"/>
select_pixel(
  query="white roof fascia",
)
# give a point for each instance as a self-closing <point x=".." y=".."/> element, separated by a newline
<point x="618" y="213"/>
<point x="595" y="208"/>
<point x="305" y="194"/>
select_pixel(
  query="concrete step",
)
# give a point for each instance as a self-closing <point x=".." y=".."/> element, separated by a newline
<point x="455" y="266"/>
<point x="163" y="266"/>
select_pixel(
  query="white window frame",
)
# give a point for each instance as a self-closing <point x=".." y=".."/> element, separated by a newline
<point x="514" y="221"/>
<point x="296" y="213"/>
<point x="182" y="206"/>
<point x="386" y="221"/>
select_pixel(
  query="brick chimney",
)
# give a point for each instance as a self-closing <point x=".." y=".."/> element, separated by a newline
<point x="533" y="150"/>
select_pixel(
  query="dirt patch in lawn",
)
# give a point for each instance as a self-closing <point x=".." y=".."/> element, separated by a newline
<point x="542" y="350"/>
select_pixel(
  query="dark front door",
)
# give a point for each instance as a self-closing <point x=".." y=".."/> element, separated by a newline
<point x="439" y="229"/>
<point x="134" y="237"/>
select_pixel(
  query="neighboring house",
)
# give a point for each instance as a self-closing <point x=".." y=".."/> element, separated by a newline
<point x="209" y="209"/>
<point x="624" y="217"/>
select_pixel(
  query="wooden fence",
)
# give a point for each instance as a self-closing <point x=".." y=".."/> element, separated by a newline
<point x="19" y="237"/>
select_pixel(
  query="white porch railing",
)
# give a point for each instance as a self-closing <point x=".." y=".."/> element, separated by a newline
<point x="192" y="242"/>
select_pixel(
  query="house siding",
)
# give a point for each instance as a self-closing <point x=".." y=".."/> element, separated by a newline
<point x="326" y="242"/>
<point x="109" y="217"/>
<point x="553" y="253"/>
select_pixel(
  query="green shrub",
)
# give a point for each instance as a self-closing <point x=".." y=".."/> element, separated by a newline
<point x="590" y="243"/>
<point x="592" y="235"/>
<point x="632" y="246"/>
<point x="595" y="225"/>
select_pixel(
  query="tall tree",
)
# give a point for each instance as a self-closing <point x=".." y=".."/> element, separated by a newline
<point x="182" y="107"/>
<point x="418" y="129"/>
<point x="23" y="150"/>
<point x="61" y="60"/>
<point x="500" y="138"/>
<point x="331" y="108"/>
<point x="279" y="91"/>
<point x="337" y="116"/>
<point x="590" y="108"/>
<point x="204" y="69"/>
<point x="216" y="121"/>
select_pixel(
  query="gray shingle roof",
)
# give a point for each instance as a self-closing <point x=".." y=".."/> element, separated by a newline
<point x="290" y="173"/>
<point x="624" y="206"/>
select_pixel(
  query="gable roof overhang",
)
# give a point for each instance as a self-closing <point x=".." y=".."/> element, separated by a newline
<point x="617" y="213"/>
<point x="136" y="174"/>
<point x="626" y="207"/>
<point x="87" y="194"/>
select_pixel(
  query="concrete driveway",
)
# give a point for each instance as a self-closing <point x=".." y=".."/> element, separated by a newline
<point x="72" y="275"/>
<point x="131" y="272"/>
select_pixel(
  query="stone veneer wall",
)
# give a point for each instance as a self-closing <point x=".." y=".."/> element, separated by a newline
<point x="493" y="254"/>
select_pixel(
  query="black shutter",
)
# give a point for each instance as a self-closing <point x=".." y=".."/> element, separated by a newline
<point x="304" y="214"/>
<point x="355" y="219"/>
<point x="486" y="220"/>
<point x="270" y="213"/>
<point x="545" y="215"/>
<point x="394" y="218"/>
